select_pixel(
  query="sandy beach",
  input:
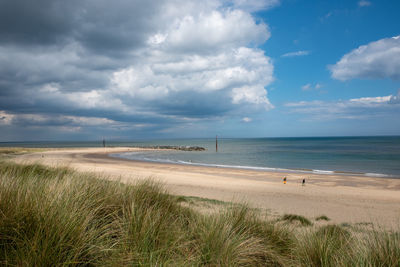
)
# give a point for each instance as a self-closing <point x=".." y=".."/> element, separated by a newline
<point x="344" y="199"/>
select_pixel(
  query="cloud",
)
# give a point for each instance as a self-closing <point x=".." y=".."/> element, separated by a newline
<point x="159" y="63"/>
<point x="5" y="118"/>
<point x="395" y="99"/>
<point x="51" y="126"/>
<point x="364" y="3"/>
<point x="223" y="30"/>
<point x="356" y="108"/>
<point x="234" y="77"/>
<point x="296" y="54"/>
<point x="97" y="25"/>
<point x="309" y="86"/>
<point x="255" y="5"/>
<point x="28" y="119"/>
<point x="376" y="60"/>
<point x="246" y="119"/>
<point x="306" y="87"/>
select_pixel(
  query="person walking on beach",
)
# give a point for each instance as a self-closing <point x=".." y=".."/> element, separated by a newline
<point x="284" y="180"/>
<point x="304" y="182"/>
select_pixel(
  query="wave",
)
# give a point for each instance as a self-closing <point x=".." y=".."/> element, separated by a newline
<point x="131" y="156"/>
<point x="377" y="175"/>
<point x="323" y="172"/>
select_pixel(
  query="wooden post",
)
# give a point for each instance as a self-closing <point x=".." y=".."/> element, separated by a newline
<point x="216" y="143"/>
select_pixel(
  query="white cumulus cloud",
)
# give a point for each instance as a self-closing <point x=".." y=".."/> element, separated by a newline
<point x="216" y="30"/>
<point x="380" y="59"/>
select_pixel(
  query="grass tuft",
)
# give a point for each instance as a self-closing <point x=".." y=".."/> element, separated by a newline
<point x="322" y="218"/>
<point x="379" y="248"/>
<point x="296" y="218"/>
<point x="328" y="246"/>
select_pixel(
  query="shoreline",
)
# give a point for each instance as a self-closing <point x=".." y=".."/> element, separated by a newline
<point x="344" y="199"/>
<point x="265" y="169"/>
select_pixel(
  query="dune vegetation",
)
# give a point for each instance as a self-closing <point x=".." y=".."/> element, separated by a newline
<point x="57" y="216"/>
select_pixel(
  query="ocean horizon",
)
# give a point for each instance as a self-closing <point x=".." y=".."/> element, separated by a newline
<point x="373" y="156"/>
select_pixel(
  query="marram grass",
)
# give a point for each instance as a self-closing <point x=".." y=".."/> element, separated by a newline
<point x="58" y="217"/>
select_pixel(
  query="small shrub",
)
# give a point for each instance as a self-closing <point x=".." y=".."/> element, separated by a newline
<point x="293" y="218"/>
<point x="345" y="224"/>
<point x="181" y="199"/>
<point x="322" y="218"/>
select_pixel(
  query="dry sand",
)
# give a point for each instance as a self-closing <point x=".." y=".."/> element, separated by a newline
<point x="344" y="199"/>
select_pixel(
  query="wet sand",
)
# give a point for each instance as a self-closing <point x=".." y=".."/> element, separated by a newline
<point x="344" y="199"/>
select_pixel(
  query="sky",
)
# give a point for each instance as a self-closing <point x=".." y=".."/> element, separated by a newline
<point x="138" y="69"/>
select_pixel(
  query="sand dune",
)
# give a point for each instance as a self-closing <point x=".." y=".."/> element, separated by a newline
<point x="349" y="199"/>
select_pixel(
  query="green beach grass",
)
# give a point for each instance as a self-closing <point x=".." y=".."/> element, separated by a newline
<point x="59" y="217"/>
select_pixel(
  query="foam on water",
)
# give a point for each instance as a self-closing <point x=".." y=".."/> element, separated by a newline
<point x="139" y="156"/>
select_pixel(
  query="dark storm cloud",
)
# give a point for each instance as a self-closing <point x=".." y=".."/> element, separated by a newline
<point x="109" y="26"/>
<point x="36" y="22"/>
<point x="68" y="42"/>
<point x="100" y="25"/>
<point x="72" y="43"/>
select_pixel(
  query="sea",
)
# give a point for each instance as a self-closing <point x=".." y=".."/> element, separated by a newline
<point x="364" y="156"/>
